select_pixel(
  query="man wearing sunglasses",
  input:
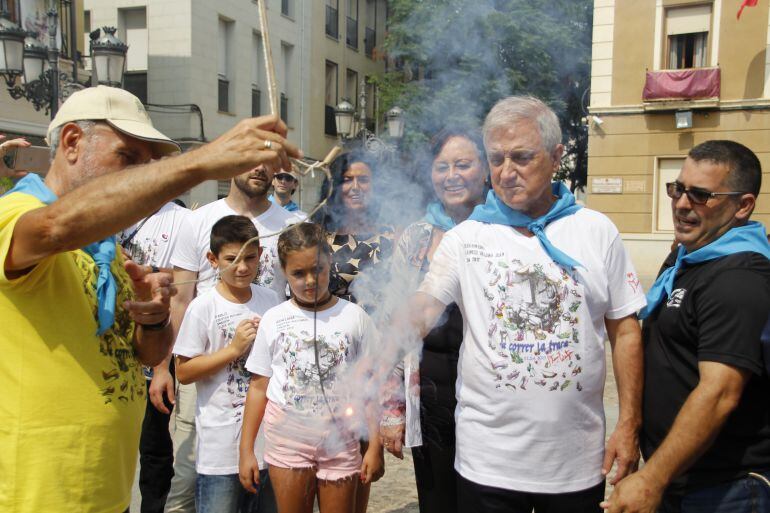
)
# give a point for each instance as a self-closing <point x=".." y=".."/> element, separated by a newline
<point x="706" y="414"/>
<point x="284" y="185"/>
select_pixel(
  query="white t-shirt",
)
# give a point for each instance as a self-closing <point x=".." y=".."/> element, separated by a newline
<point x="531" y="370"/>
<point x="209" y="325"/>
<point x="194" y="242"/>
<point x="153" y="241"/>
<point x="284" y="352"/>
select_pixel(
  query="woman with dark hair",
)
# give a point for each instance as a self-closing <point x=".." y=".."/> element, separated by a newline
<point x="420" y="413"/>
<point x="359" y="243"/>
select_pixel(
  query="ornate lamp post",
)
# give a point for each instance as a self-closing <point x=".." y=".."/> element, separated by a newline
<point x="350" y="126"/>
<point x="42" y="84"/>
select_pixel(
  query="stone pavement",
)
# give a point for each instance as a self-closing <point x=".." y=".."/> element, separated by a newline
<point x="396" y="492"/>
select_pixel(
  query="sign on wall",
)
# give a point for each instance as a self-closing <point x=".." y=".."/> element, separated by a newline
<point x="607" y="185"/>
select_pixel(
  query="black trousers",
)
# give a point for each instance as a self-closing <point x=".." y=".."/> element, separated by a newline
<point x="156" y="457"/>
<point x="476" y="498"/>
<point x="436" y="477"/>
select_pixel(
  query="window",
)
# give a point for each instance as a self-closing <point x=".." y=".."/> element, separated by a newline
<point x="687" y="36"/>
<point x="286" y="7"/>
<point x="371" y="99"/>
<point x="132" y="29"/>
<point x="668" y="170"/>
<point x="370" y="34"/>
<point x="256" y="102"/>
<point x="330" y="101"/>
<point x="351" y="33"/>
<point x="258" y="67"/>
<point x="287" y="82"/>
<point x="86" y="38"/>
<point x="224" y="65"/>
<point x="135" y="82"/>
<point x="351" y="87"/>
<point x="332" y="19"/>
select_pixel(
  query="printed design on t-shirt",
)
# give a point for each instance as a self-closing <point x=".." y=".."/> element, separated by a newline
<point x="238" y="377"/>
<point x="146" y="250"/>
<point x="676" y="298"/>
<point x="532" y="331"/>
<point x="633" y="281"/>
<point x="302" y="389"/>
<point x="267" y="264"/>
<point x="121" y="377"/>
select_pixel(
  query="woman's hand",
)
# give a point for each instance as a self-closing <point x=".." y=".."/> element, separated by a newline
<point x="393" y="439"/>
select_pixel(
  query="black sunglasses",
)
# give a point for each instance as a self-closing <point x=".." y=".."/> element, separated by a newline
<point x="697" y="196"/>
<point x="284" y="177"/>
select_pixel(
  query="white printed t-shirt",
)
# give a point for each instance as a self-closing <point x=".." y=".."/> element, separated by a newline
<point x="153" y="241"/>
<point x="531" y="370"/>
<point x="195" y="240"/>
<point x="209" y="325"/>
<point x="284" y="352"/>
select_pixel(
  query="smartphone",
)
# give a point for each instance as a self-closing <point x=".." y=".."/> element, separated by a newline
<point x="32" y="158"/>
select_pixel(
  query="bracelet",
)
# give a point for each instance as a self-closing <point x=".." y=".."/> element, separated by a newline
<point x="158" y="326"/>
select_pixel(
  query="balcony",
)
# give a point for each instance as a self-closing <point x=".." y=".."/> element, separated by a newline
<point x="682" y="84"/>
<point x="352" y="33"/>
<point x="370" y="41"/>
<point x="332" y="25"/>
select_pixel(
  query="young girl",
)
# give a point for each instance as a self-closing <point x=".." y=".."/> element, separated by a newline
<point x="302" y="348"/>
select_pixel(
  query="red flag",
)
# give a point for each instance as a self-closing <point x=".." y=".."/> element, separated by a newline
<point x="746" y="3"/>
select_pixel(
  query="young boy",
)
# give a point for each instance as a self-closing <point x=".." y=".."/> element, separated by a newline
<point x="213" y="342"/>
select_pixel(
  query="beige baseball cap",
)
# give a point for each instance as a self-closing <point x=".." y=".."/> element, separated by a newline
<point x="121" y="109"/>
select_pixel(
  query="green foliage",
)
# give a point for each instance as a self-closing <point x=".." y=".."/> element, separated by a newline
<point x="464" y="55"/>
<point x="5" y="184"/>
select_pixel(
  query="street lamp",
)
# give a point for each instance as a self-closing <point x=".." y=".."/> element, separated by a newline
<point x="11" y="49"/>
<point x="395" y="118"/>
<point x="344" y="117"/>
<point x="109" y="54"/>
<point x="350" y="126"/>
<point x="22" y="55"/>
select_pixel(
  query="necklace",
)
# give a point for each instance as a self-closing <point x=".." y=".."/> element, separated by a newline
<point x="315" y="305"/>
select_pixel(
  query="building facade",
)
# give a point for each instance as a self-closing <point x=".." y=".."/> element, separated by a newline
<point x="667" y="75"/>
<point x="19" y="117"/>
<point x="209" y="55"/>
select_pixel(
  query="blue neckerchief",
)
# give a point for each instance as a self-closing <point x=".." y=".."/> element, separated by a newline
<point x="496" y="212"/>
<point x="103" y="253"/>
<point x="290" y="206"/>
<point x="748" y="238"/>
<point x="437" y="216"/>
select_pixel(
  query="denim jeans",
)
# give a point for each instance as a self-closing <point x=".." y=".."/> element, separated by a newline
<point x="224" y="494"/>
<point x="746" y="495"/>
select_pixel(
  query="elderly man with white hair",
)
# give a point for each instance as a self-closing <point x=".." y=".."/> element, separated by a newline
<point x="77" y="321"/>
<point x="541" y="282"/>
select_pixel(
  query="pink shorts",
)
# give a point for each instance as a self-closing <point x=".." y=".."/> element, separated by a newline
<point x="292" y="443"/>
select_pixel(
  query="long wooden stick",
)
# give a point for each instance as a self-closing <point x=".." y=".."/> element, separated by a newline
<point x="272" y="88"/>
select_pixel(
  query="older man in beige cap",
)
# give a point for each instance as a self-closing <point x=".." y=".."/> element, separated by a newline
<point x="77" y="321"/>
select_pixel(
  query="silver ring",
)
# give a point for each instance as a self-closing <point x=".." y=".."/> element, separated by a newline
<point x="268" y="144"/>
